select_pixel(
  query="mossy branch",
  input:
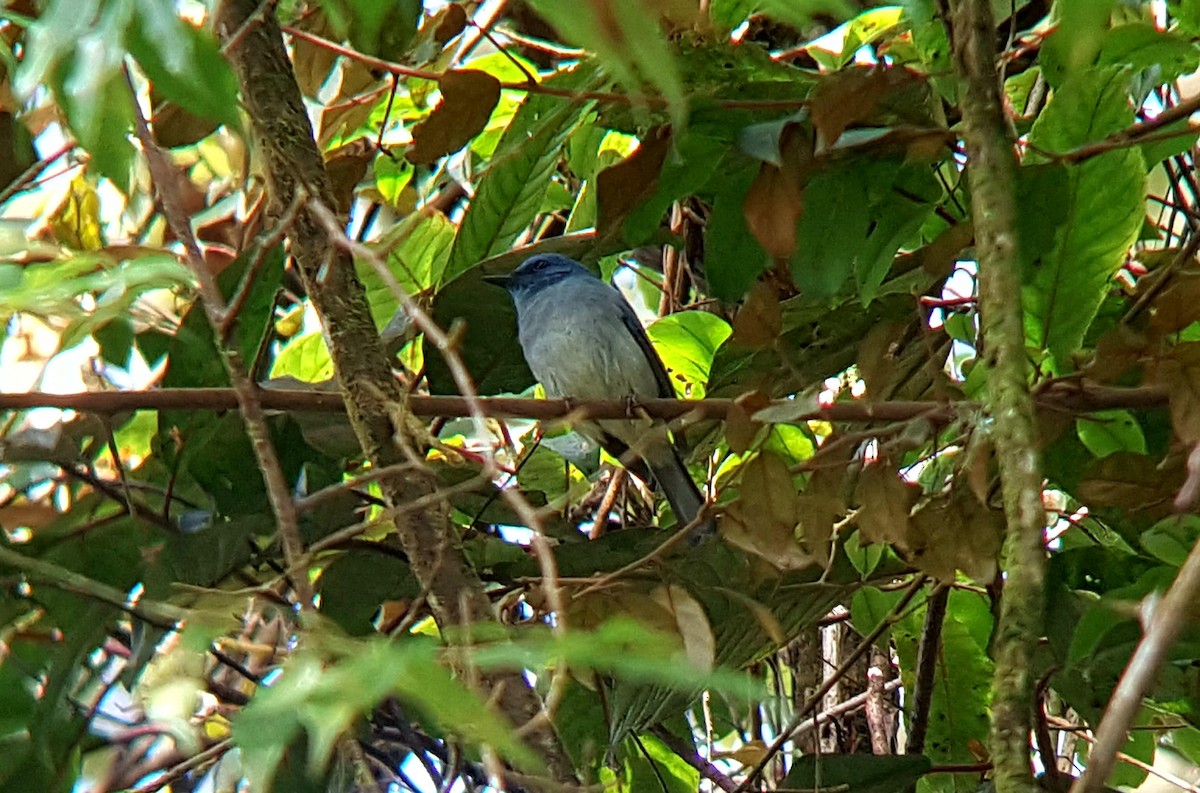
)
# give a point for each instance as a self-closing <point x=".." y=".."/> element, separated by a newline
<point x="992" y="176"/>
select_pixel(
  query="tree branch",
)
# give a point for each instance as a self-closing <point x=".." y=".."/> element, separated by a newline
<point x="1164" y="620"/>
<point x="166" y="184"/>
<point x="160" y="615"/>
<point x="375" y="403"/>
<point x="992" y="174"/>
<point x="1065" y="397"/>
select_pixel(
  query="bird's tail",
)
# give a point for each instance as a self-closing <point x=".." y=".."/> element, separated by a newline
<point x="680" y="489"/>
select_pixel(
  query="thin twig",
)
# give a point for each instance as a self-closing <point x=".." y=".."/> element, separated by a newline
<point x="213" y="752"/>
<point x="1163" y="620"/>
<point x="160" y="615"/>
<point x="927" y="657"/>
<point x="801" y="715"/>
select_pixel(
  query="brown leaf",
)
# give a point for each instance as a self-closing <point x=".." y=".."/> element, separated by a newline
<point x="822" y="504"/>
<point x="349" y="110"/>
<point x="773" y="205"/>
<point x="1179" y="372"/>
<point x="763" y="520"/>
<point x="938" y="257"/>
<point x="740" y="429"/>
<point x="450" y="22"/>
<point x="347" y="165"/>
<point x="885" y="501"/>
<point x="978" y="465"/>
<point x="1117" y="351"/>
<point x="775" y="199"/>
<point x="1132" y="482"/>
<point x="175" y="127"/>
<point x="691" y="623"/>
<point x="1177" y="306"/>
<point x="760" y="319"/>
<point x="312" y="62"/>
<point x="877" y="356"/>
<point x="623" y="186"/>
<point x="955" y="532"/>
<point x="854" y="96"/>
<point x="468" y="98"/>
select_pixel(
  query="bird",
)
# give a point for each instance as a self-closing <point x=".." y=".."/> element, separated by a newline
<point x="582" y="340"/>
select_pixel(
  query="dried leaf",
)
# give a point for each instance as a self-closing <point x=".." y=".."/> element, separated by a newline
<point x="760" y="319"/>
<point x="311" y="62"/>
<point x="174" y="126"/>
<point x="977" y="467"/>
<point x="877" y="356"/>
<point x="1179" y="372"/>
<point x="625" y="185"/>
<point x="1117" y="351"/>
<point x="450" y="22"/>
<point x="763" y="520"/>
<point x="822" y="504"/>
<point x="740" y="428"/>
<point x="1132" y="482"/>
<point x="853" y="96"/>
<point x="468" y="98"/>
<point x="885" y="501"/>
<point x="691" y="623"/>
<point x="1177" y="306"/>
<point x="347" y="165"/>
<point x="344" y="113"/>
<point x="775" y="199"/>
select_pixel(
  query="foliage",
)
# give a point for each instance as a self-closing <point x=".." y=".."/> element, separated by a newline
<point x="780" y="185"/>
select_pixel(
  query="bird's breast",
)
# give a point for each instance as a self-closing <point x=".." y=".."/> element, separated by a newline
<point x="580" y="347"/>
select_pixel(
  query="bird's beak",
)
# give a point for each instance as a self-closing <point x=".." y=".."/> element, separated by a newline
<point x="501" y="281"/>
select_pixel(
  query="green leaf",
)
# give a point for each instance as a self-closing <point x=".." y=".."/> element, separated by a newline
<point x="650" y="767"/>
<point x="1143" y="47"/>
<point x="173" y="54"/>
<point x="78" y="49"/>
<point x="733" y="256"/>
<point x="627" y="37"/>
<point x="374" y="27"/>
<point x="1171" y="539"/>
<point x="688" y="167"/>
<point x="325" y="700"/>
<point x="622" y="647"/>
<point x="799" y="13"/>
<point x="1072" y="46"/>
<point x="867" y="202"/>
<point x="357" y="582"/>
<point x="305" y="358"/>
<point x="1111" y="431"/>
<point x="417" y="249"/>
<point x="857" y="773"/>
<point x="1104" y="212"/>
<point x="687" y="342"/>
<point x="489" y="342"/>
<point x="963" y="676"/>
<point x="511" y="191"/>
<point x="392" y="175"/>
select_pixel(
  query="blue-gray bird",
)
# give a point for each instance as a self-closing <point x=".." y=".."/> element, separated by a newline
<point x="583" y="340"/>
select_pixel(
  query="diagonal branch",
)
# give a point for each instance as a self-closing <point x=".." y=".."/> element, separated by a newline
<point x="166" y="184"/>
<point x="376" y="405"/>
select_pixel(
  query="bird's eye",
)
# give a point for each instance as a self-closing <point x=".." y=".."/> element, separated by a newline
<point x="539" y="265"/>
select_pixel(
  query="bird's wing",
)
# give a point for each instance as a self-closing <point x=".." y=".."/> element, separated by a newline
<point x="665" y="389"/>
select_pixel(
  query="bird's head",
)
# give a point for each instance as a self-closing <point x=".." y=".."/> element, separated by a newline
<point x="538" y="272"/>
